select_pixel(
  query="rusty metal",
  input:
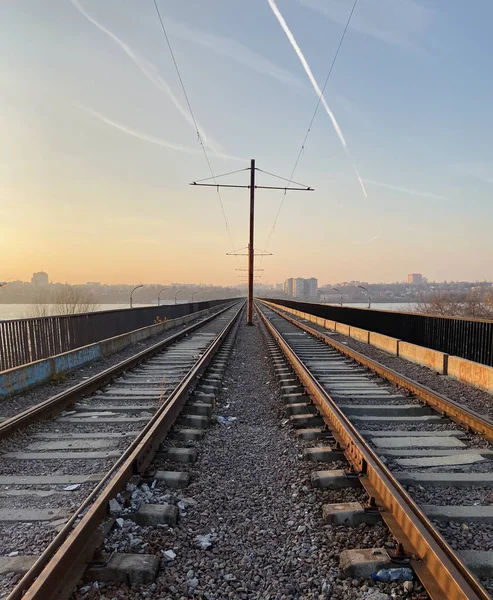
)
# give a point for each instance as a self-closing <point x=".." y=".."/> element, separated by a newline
<point x="460" y="414"/>
<point x="251" y="252"/>
<point x="72" y="546"/>
<point x="59" y="402"/>
<point x="23" y="341"/>
<point x="442" y="573"/>
<point x="457" y="336"/>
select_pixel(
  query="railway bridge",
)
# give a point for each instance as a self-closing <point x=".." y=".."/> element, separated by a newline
<point x="175" y="452"/>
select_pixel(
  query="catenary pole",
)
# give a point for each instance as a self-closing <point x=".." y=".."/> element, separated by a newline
<point x="251" y="246"/>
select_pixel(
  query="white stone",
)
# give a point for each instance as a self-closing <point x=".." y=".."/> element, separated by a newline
<point x="439" y="461"/>
<point x="204" y="541"/>
<point x="417" y="442"/>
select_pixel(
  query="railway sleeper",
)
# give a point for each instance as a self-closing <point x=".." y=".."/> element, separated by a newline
<point x="344" y="386"/>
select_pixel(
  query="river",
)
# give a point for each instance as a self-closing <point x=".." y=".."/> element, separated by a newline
<point x="392" y="306"/>
<point x="21" y="311"/>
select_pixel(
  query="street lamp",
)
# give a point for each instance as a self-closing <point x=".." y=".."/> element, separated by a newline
<point x="135" y="288"/>
<point x="178" y="292"/>
<point x="339" y="291"/>
<point x="369" y="299"/>
<point x="193" y="295"/>
<point x="159" y="295"/>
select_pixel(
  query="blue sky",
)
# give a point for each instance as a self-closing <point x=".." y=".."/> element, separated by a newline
<point x="97" y="148"/>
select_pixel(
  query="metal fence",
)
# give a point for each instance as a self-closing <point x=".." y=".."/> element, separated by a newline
<point x="25" y="340"/>
<point x="467" y="338"/>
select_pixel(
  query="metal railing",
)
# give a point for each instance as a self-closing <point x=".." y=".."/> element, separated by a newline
<point x="467" y="338"/>
<point x="26" y="340"/>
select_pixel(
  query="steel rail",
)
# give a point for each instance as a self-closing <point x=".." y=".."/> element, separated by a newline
<point x="72" y="547"/>
<point x="59" y="402"/>
<point x="442" y="573"/>
<point x="465" y="416"/>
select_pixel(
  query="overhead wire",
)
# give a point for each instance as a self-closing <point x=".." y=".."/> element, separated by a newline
<point x="302" y="148"/>
<point x="283" y="178"/>
<point x="199" y="137"/>
<point x="222" y="175"/>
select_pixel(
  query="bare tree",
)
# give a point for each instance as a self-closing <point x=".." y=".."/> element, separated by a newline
<point x="73" y="299"/>
<point x="65" y="300"/>
<point x="476" y="304"/>
<point x="41" y="305"/>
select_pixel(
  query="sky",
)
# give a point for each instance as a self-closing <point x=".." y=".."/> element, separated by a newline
<point x="97" y="145"/>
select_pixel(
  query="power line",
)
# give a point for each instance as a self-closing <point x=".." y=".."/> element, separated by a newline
<point x="283" y="178"/>
<point x="199" y="137"/>
<point x="222" y="175"/>
<point x="313" y="118"/>
<point x="251" y="248"/>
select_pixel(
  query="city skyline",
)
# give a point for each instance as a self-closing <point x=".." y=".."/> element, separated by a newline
<point x="98" y="149"/>
<point x="41" y="278"/>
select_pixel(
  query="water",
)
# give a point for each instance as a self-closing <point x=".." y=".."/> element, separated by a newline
<point x="392" y="306"/>
<point x="22" y="311"/>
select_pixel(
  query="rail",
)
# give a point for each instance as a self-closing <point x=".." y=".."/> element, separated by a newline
<point x="440" y="570"/>
<point x="73" y="546"/>
<point x="455" y="411"/>
<point x="23" y="341"/>
<point x="59" y="402"/>
<point x="471" y="339"/>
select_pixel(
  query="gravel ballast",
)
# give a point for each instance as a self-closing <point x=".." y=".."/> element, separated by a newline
<point x="27" y="523"/>
<point x="251" y="494"/>
<point x="478" y="400"/>
<point x="15" y="404"/>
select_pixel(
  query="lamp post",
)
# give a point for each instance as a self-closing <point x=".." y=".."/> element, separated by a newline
<point x="339" y="291"/>
<point x="178" y="292"/>
<point x="159" y="295"/>
<point x="369" y="299"/>
<point x="195" y="293"/>
<point x="131" y="293"/>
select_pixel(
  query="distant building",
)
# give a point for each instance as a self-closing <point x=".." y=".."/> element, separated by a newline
<point x="279" y="286"/>
<point x="40" y="278"/>
<point x="299" y="287"/>
<point x="311" y="287"/>
<point x="415" y="278"/>
<point x="288" y="286"/>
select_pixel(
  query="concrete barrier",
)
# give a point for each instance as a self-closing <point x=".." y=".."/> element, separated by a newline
<point x="385" y="343"/>
<point x="27" y="376"/>
<point x="472" y="373"/>
<point x="424" y="356"/>
<point x="466" y="371"/>
<point x="362" y="335"/>
<point x="342" y="328"/>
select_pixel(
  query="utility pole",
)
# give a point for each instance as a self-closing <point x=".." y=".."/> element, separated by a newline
<point x="251" y="248"/>
<point x="250" y="243"/>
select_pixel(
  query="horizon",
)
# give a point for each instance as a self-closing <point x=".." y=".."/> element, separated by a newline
<point x="259" y="283"/>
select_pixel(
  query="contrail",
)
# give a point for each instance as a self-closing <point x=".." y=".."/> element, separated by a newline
<point x="149" y="138"/>
<point x="405" y="190"/>
<point x="151" y="72"/>
<point x="316" y="87"/>
<point x="358" y="176"/>
<point x="235" y="51"/>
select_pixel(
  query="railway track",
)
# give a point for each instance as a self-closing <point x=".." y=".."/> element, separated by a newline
<point x="424" y="460"/>
<point x="59" y="476"/>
